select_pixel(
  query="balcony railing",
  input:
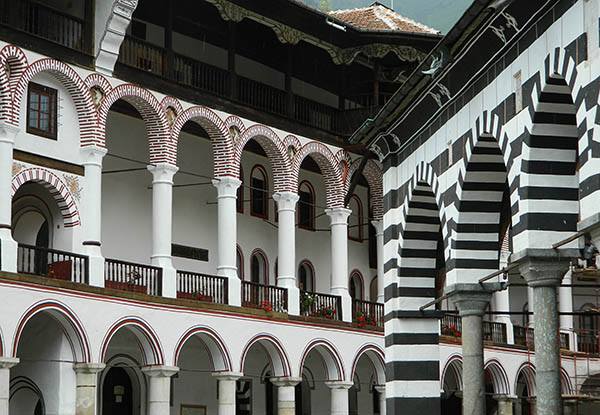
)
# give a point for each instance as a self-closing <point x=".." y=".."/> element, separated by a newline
<point x="201" y="287"/>
<point x="45" y="22"/>
<point x="266" y="297"/>
<point x="451" y="325"/>
<point x="587" y="343"/>
<point x="320" y="305"/>
<point x="524" y="336"/>
<point x="53" y="263"/>
<point x="367" y="313"/>
<point x="494" y="332"/>
<point x="128" y="276"/>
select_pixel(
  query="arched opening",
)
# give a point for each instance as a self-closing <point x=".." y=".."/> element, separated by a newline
<point x="368" y="371"/>
<point x="259" y="192"/>
<point x="356" y="219"/>
<point x="356" y="285"/>
<point x="26" y="397"/>
<point x="306" y="276"/>
<point x="319" y="364"/>
<point x="239" y="201"/>
<point x="452" y="388"/>
<point x="306" y="206"/>
<point x="587" y="334"/>
<point x="122" y="387"/>
<point x="496" y="383"/>
<point x="525" y="389"/>
<point x="239" y="262"/>
<point x="304" y="392"/>
<point x="373" y="290"/>
<point x="259" y="269"/>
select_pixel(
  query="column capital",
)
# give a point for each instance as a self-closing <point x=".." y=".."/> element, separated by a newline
<point x="160" y="371"/>
<point x="472" y="299"/>
<point x="92" y="155"/>
<point x="88" y="368"/>
<point x="339" y="384"/>
<point x="378" y="225"/>
<point x="227" y="375"/>
<point x="226" y="186"/>
<point x="162" y="172"/>
<point x="541" y="272"/>
<point x="8" y="132"/>
<point x="505" y="398"/>
<point x="8" y="362"/>
<point x="285" y="381"/>
<point x="338" y="215"/>
<point x="286" y="201"/>
<point x="380" y="388"/>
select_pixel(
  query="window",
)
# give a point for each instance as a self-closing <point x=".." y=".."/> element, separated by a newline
<point x="239" y="262"/>
<point x="258" y="268"/>
<point x="356" y="285"/>
<point x="259" y="193"/>
<point x="239" y="201"/>
<point x="41" y="110"/>
<point x="355" y="220"/>
<point x="306" y="206"/>
<point x="306" y="275"/>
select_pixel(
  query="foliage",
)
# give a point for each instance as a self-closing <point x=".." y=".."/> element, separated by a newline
<point x="450" y="331"/>
<point x="266" y="305"/>
<point x="327" y="312"/>
<point x="307" y="301"/>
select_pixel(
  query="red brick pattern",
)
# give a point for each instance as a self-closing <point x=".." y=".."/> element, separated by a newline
<point x="233" y="120"/>
<point x="172" y="102"/>
<point x="12" y="57"/>
<point x="98" y="81"/>
<point x="372" y="173"/>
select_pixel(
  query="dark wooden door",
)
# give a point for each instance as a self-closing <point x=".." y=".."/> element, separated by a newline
<point x="117" y="393"/>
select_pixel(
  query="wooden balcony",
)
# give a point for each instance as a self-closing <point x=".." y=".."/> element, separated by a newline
<point x="325" y="306"/>
<point x="524" y="336"/>
<point x="494" y="332"/>
<point x="265" y="297"/>
<point x="52" y="263"/>
<point x="367" y="313"/>
<point x="202" y="287"/>
<point x="128" y="276"/>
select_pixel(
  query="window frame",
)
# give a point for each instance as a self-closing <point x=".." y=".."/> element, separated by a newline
<point x="313" y="208"/>
<point x="266" y="190"/>
<point x="52" y="93"/>
<point x="240" y="253"/>
<point x="260" y="253"/>
<point x="360" y="219"/>
<point x="309" y="265"/>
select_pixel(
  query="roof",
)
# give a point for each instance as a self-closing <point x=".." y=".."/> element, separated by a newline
<point x="380" y="17"/>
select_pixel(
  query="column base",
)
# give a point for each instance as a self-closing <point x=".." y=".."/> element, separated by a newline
<point x="234" y="289"/>
<point x="8" y="251"/>
<point x="346" y="304"/>
<point x="96" y="271"/>
<point x="293" y="300"/>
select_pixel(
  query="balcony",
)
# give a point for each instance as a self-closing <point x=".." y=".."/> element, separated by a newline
<point x="320" y="306"/>
<point x="128" y="276"/>
<point x="492" y="331"/>
<point x="52" y="263"/>
<point x="524" y="336"/>
<point x="265" y="297"/>
<point x="367" y="313"/>
<point x="202" y="287"/>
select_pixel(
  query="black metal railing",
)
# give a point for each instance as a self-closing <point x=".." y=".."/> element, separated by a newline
<point x="52" y="263"/>
<point x="128" y="276"/>
<point x="320" y="305"/>
<point x="523" y="336"/>
<point x="564" y="340"/>
<point x="451" y="325"/>
<point x="266" y="297"/>
<point x="494" y="332"/>
<point x="202" y="287"/>
<point x="367" y="313"/>
<point x="45" y="22"/>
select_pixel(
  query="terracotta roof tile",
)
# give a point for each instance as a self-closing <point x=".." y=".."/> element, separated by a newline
<point x="379" y="17"/>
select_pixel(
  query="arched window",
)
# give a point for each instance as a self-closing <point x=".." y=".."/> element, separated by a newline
<point x="239" y="202"/>
<point x="306" y="276"/>
<point x="356" y="285"/>
<point x="259" y="192"/>
<point x="355" y="221"/>
<point x="239" y="262"/>
<point x="587" y="337"/>
<point x="306" y="206"/>
<point x="373" y="290"/>
<point x="259" y="270"/>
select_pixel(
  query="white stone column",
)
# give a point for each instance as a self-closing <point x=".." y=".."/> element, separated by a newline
<point x="162" y="224"/>
<point x="91" y="213"/>
<point x="505" y="404"/>
<point x="565" y="305"/>
<point x="378" y="224"/>
<point x="227" y="236"/>
<point x="286" y="240"/>
<point x="381" y="390"/>
<point x="227" y="382"/>
<point x="339" y="396"/>
<point x="8" y="246"/>
<point x="530" y="305"/>
<point x="339" y="258"/>
<point x="286" y="394"/>
<point x="5" y="364"/>
<point x="86" y="387"/>
<point x="159" y="388"/>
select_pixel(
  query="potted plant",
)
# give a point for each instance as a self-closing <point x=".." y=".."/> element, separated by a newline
<point x="307" y="301"/>
<point x="328" y="312"/>
<point x="361" y="320"/>
<point x="267" y="306"/>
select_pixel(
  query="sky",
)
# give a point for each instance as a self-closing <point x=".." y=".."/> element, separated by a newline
<point x="438" y="14"/>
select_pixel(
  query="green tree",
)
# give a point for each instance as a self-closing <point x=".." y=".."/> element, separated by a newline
<point x="324" y="6"/>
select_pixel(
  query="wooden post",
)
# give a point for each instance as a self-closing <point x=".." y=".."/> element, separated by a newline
<point x="88" y="29"/>
<point x="169" y="65"/>
<point x="289" y="70"/>
<point x="233" y="82"/>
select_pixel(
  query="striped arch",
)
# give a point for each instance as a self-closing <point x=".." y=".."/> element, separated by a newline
<point x="162" y="150"/>
<point x="278" y="360"/>
<point x="549" y="191"/>
<point x="377" y="358"/>
<point x="275" y="150"/>
<point x="69" y="322"/>
<point x="330" y="169"/>
<point x="169" y="101"/>
<point x="220" y="359"/>
<point x="528" y="371"/>
<point x="566" y="386"/>
<point x="372" y="173"/>
<point x="218" y="132"/>
<point x="332" y="361"/>
<point x="293" y="142"/>
<point x="12" y="57"/>
<point x="454" y="367"/>
<point x="498" y="377"/>
<point x="57" y="188"/>
<point x="235" y="121"/>
<point x="99" y="81"/>
<point x="146" y="338"/>
<point x="482" y="183"/>
<point x="86" y="111"/>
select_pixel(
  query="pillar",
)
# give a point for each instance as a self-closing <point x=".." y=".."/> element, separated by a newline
<point x="86" y="383"/>
<point x="227" y="388"/>
<point x="381" y="390"/>
<point x="5" y="364"/>
<point x="159" y="388"/>
<point x="227" y="236"/>
<point x="570" y="407"/>
<point x="339" y="258"/>
<point x="543" y="276"/>
<point x="286" y="394"/>
<point x="8" y="246"/>
<point x="91" y="212"/>
<point x="286" y="239"/>
<point x="162" y="224"/>
<point x="565" y="305"/>
<point x="505" y="404"/>
<point x="378" y="224"/>
<point x="339" y="396"/>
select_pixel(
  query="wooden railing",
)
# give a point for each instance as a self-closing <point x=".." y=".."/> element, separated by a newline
<point x="128" y="276"/>
<point x="53" y="263"/>
<point x="143" y="55"/>
<point x="320" y="305"/>
<point x="201" y="287"/>
<point x="494" y="332"/>
<point x="367" y="313"/>
<point x="266" y="297"/>
<point x="451" y="325"/>
<point x="587" y="343"/>
<point x="45" y="22"/>
<point x="313" y="113"/>
<point x="564" y="340"/>
<point x="188" y="71"/>
<point x="523" y="336"/>
<point x="261" y="96"/>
